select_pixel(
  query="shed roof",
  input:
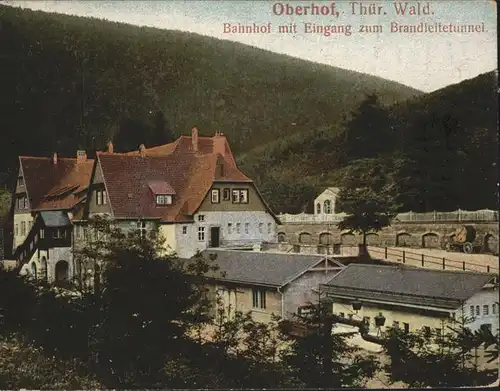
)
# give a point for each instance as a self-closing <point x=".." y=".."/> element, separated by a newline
<point x="55" y="218"/>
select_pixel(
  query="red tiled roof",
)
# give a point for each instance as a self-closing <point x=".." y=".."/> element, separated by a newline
<point x="161" y="187"/>
<point x="189" y="173"/>
<point x="55" y="186"/>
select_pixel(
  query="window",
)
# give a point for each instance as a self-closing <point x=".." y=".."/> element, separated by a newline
<point x="184" y="230"/>
<point x="494" y="308"/>
<point x="201" y="218"/>
<point x="261" y="226"/>
<point x="318" y="208"/>
<point x="236" y="196"/>
<point x="238" y="226"/>
<point x="162" y="199"/>
<point x="101" y="197"/>
<point x="427" y="331"/>
<point x="471" y="311"/>
<point x="215" y="196"/>
<point x="247" y="228"/>
<point x="341" y="314"/>
<point x="23" y="228"/>
<point x="395" y="324"/>
<point x="478" y="312"/>
<point x="226" y="195"/>
<point x="244" y="196"/>
<point x="269" y="228"/>
<point x="240" y="196"/>
<point x="366" y="320"/>
<point x="141" y="226"/>
<point x="229" y="228"/>
<point x="57" y="234"/>
<point x="201" y="234"/>
<point x="16" y="230"/>
<point x="486" y="309"/>
<point x="78" y="231"/>
<point x="406" y="327"/>
<point x="259" y="298"/>
<point x="20" y="181"/>
<point x="22" y="202"/>
<point x="42" y="233"/>
<point x="327" y="207"/>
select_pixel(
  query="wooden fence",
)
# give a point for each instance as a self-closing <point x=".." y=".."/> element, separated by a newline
<point x="429" y="261"/>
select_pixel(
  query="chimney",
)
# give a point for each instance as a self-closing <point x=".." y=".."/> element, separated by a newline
<point x="54" y="158"/>
<point x="194" y="139"/>
<point x="142" y="150"/>
<point x="219" y="143"/>
<point x="110" y="147"/>
<point x="81" y="156"/>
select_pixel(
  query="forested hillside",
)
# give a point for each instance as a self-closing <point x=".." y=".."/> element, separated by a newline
<point x="76" y="82"/>
<point x="446" y="144"/>
<point x="295" y="126"/>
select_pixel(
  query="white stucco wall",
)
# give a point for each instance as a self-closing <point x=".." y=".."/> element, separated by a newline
<point x="485" y="297"/>
<point x="188" y="244"/>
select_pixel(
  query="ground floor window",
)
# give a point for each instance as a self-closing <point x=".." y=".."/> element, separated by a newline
<point x="259" y="298"/>
<point x="201" y="234"/>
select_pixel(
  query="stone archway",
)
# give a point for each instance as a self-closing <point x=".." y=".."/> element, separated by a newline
<point x="430" y="240"/>
<point x="305" y="238"/>
<point x="34" y="271"/>
<point x="372" y="239"/>
<point x="403" y="239"/>
<point x="62" y="272"/>
<point x="325" y="238"/>
<point x="348" y="239"/>
<point x="491" y="244"/>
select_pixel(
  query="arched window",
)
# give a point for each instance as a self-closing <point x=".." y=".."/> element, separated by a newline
<point x="327" y="207"/>
<point x="33" y="270"/>
<point x="318" y="208"/>
<point x="44" y="270"/>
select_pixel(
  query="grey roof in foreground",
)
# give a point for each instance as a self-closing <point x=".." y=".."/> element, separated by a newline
<point x="55" y="218"/>
<point x="261" y="268"/>
<point x="444" y="289"/>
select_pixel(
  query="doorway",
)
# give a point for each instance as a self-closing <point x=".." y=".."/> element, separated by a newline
<point x="215" y="237"/>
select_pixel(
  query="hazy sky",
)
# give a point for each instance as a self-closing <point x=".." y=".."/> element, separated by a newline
<point x="425" y="61"/>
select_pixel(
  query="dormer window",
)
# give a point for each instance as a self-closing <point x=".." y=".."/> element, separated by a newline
<point x="162" y="191"/>
<point x="163" y="199"/>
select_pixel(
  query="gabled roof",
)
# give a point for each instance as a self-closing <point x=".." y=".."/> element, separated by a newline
<point x="189" y="174"/>
<point x="260" y="268"/>
<point x="418" y="286"/>
<point x="53" y="186"/>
